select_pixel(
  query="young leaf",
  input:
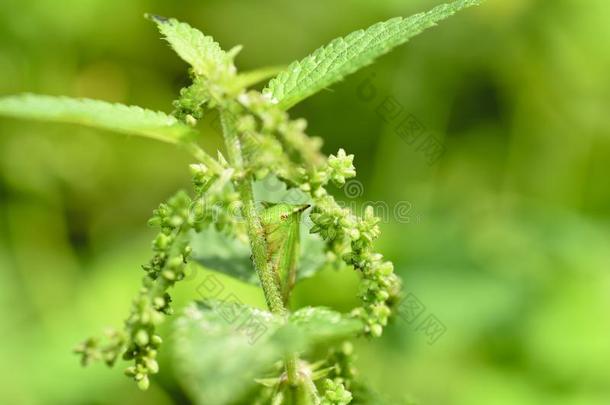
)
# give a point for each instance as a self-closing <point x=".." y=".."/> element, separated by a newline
<point x="346" y="55"/>
<point x="221" y="346"/>
<point x="320" y="324"/>
<point x="224" y="254"/>
<point x="98" y="114"/>
<point x="200" y="51"/>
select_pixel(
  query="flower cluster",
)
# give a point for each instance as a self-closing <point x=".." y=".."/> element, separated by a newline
<point x="341" y="359"/>
<point x="341" y="167"/>
<point x="351" y="238"/>
<point x="299" y="147"/>
<point x="216" y="202"/>
<point x="139" y="341"/>
<point x="335" y="393"/>
<point x="171" y="251"/>
<point x="91" y="350"/>
<point x="189" y="107"/>
<point x="271" y="142"/>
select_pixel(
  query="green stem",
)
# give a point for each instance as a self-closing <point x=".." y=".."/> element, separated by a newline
<point x="203" y="157"/>
<point x="291" y="369"/>
<point x="258" y="244"/>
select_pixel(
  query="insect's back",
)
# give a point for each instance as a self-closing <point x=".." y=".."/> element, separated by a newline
<point x="281" y="226"/>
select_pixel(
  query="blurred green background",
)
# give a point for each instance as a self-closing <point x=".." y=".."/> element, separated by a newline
<point x="508" y="242"/>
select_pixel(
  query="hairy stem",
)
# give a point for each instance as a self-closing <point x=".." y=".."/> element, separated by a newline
<point x="258" y="244"/>
<point x="203" y="157"/>
<point x="291" y="368"/>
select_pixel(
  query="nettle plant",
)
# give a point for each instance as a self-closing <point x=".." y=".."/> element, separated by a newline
<point x="228" y="352"/>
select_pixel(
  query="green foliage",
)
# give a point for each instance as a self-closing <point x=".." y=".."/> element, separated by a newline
<point x="198" y="50"/>
<point x="216" y="346"/>
<point x="319" y="325"/>
<point x="343" y="56"/>
<point x="129" y="120"/>
<point x="217" y="361"/>
<point x="224" y="254"/>
<point x="223" y="346"/>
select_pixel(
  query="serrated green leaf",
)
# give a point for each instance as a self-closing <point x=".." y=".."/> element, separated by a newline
<point x="223" y="346"/>
<point x="346" y="55"/>
<point x="217" y="359"/>
<point x="224" y="254"/>
<point x="200" y="51"/>
<point x="98" y="114"/>
<point x="320" y="324"/>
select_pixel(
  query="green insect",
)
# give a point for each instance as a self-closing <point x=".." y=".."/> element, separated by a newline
<point x="281" y="228"/>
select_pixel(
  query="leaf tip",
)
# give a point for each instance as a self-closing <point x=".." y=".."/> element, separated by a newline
<point x="159" y="19"/>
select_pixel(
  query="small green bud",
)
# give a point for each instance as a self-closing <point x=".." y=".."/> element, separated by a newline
<point x="152" y="365"/>
<point x="347" y="348"/>
<point x="305" y="187"/>
<point x="176" y="263"/>
<point x="162" y="241"/>
<point x="354" y="233"/>
<point x="376" y="330"/>
<point x="347" y="222"/>
<point x="176" y="221"/>
<point x="159" y="302"/>
<point x="190" y="120"/>
<point x="144" y="383"/>
<point x="141" y="338"/>
<point x="382" y="295"/>
<point x="381" y="311"/>
<point x="130" y="371"/>
<point x="145" y="317"/>
<point x="157" y="317"/>
<point x="386" y="268"/>
<point x="169" y="275"/>
<point x="198" y="170"/>
<point x="154" y="222"/>
<point x="341" y="167"/>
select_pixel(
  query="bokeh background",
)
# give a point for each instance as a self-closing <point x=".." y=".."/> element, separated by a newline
<point x="508" y="238"/>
